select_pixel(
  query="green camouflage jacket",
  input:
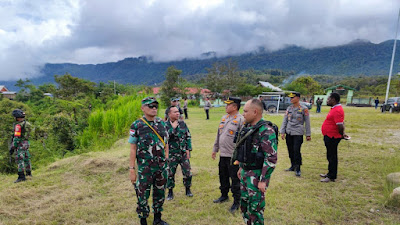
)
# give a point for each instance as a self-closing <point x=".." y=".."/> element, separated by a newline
<point x="179" y="138"/>
<point x="265" y="141"/>
<point x="22" y="131"/>
<point x="149" y="146"/>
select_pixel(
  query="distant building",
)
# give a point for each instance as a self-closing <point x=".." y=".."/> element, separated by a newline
<point x="9" y="94"/>
<point x="3" y="88"/>
<point x="269" y="85"/>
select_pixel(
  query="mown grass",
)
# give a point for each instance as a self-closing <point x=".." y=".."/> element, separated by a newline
<point x="94" y="187"/>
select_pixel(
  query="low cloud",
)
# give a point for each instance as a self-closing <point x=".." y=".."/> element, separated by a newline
<point x="79" y="31"/>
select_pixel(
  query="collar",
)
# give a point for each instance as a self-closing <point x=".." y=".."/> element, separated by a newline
<point x="336" y="105"/>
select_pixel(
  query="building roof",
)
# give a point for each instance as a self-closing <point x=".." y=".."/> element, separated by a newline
<point x="340" y="87"/>
<point x="2" y="87"/>
<point x="269" y="85"/>
<point x="8" y="92"/>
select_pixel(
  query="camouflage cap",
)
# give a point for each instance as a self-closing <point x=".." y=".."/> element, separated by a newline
<point x="149" y="100"/>
<point x="175" y="99"/>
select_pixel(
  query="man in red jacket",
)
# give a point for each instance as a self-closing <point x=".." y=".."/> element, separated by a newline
<point x="333" y="131"/>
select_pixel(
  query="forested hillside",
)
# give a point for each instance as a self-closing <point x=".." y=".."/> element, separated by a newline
<point x="355" y="58"/>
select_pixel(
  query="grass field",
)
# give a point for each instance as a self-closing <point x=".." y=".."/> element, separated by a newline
<point x="94" y="188"/>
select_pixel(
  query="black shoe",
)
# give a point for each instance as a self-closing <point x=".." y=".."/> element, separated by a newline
<point x="234" y="207"/>
<point x="221" y="199"/>
<point x="143" y="221"/>
<point x="21" y="177"/>
<point x="188" y="192"/>
<point x="290" y="169"/>
<point x="158" y="220"/>
<point x="297" y="171"/>
<point x="170" y="194"/>
<point x="29" y="173"/>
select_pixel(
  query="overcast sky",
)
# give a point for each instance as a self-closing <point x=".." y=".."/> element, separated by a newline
<point x="96" y="31"/>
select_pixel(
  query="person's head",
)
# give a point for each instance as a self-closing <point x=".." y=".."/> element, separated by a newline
<point x="232" y="105"/>
<point x="18" y="114"/>
<point x="185" y="98"/>
<point x="333" y="99"/>
<point x="174" y="101"/>
<point x="252" y="111"/>
<point x="318" y="98"/>
<point x="294" y="97"/>
<point x="149" y="106"/>
<point x="173" y="113"/>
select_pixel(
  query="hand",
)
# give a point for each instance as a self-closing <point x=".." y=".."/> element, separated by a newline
<point x="213" y="155"/>
<point x="238" y="173"/>
<point x="308" y="138"/>
<point x="187" y="154"/>
<point x="262" y="186"/>
<point x="283" y="136"/>
<point x="132" y="175"/>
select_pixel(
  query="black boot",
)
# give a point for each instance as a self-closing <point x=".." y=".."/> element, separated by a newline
<point x="170" y="194"/>
<point x="235" y="206"/>
<point x="298" y="172"/>
<point x="290" y="168"/>
<point x="158" y="220"/>
<point x="21" y="177"/>
<point x="188" y="192"/>
<point x="221" y="199"/>
<point x="29" y="173"/>
<point x="143" y="221"/>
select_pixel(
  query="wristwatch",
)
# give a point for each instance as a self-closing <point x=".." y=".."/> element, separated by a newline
<point x="132" y="168"/>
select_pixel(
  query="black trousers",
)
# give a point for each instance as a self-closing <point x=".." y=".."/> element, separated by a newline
<point x="186" y="115"/>
<point x="207" y="110"/>
<point x="331" y="145"/>
<point x="293" y="143"/>
<point x="229" y="171"/>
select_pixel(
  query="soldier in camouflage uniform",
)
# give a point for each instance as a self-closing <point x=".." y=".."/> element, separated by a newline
<point x="20" y="143"/>
<point x="148" y="136"/>
<point x="254" y="177"/>
<point x="180" y="145"/>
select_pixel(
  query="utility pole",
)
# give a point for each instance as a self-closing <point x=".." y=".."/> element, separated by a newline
<point x="391" y="64"/>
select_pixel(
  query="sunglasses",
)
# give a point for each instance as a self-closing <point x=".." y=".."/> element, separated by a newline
<point x="152" y="106"/>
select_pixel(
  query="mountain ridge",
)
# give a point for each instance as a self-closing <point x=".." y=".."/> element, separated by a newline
<point x="359" y="57"/>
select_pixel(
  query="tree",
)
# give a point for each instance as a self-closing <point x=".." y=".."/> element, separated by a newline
<point x="306" y="85"/>
<point x="71" y="87"/>
<point x="224" y="76"/>
<point x="171" y="87"/>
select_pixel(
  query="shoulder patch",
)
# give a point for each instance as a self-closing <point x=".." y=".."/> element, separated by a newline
<point x="17" y="131"/>
<point x="306" y="112"/>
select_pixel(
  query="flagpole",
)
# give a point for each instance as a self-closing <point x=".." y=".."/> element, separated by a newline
<point x="391" y="64"/>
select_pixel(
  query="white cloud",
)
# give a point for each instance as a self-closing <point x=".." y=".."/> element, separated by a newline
<point x="89" y="31"/>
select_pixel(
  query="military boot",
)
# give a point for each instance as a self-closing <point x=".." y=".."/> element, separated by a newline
<point x="235" y="206"/>
<point x="29" y="173"/>
<point x="188" y="192"/>
<point x="297" y="171"/>
<point x="143" y="221"/>
<point x="170" y="194"/>
<point x="158" y="220"/>
<point x="21" y="177"/>
<point x="290" y="168"/>
<point x="221" y="199"/>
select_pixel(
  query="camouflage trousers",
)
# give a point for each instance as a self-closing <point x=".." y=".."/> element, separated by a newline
<point x="23" y="157"/>
<point x="252" y="200"/>
<point x="155" y="176"/>
<point x="175" y="159"/>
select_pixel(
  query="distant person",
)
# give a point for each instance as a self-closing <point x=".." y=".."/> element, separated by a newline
<point x="174" y="103"/>
<point x="180" y="145"/>
<point x="376" y="102"/>
<point x="230" y="123"/>
<point x="258" y="142"/>
<point x="311" y="100"/>
<point x="185" y="108"/>
<point x="319" y="103"/>
<point x="333" y="131"/>
<point x="148" y="156"/>
<point x="20" y="144"/>
<point x="292" y="129"/>
<point x="207" y="106"/>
